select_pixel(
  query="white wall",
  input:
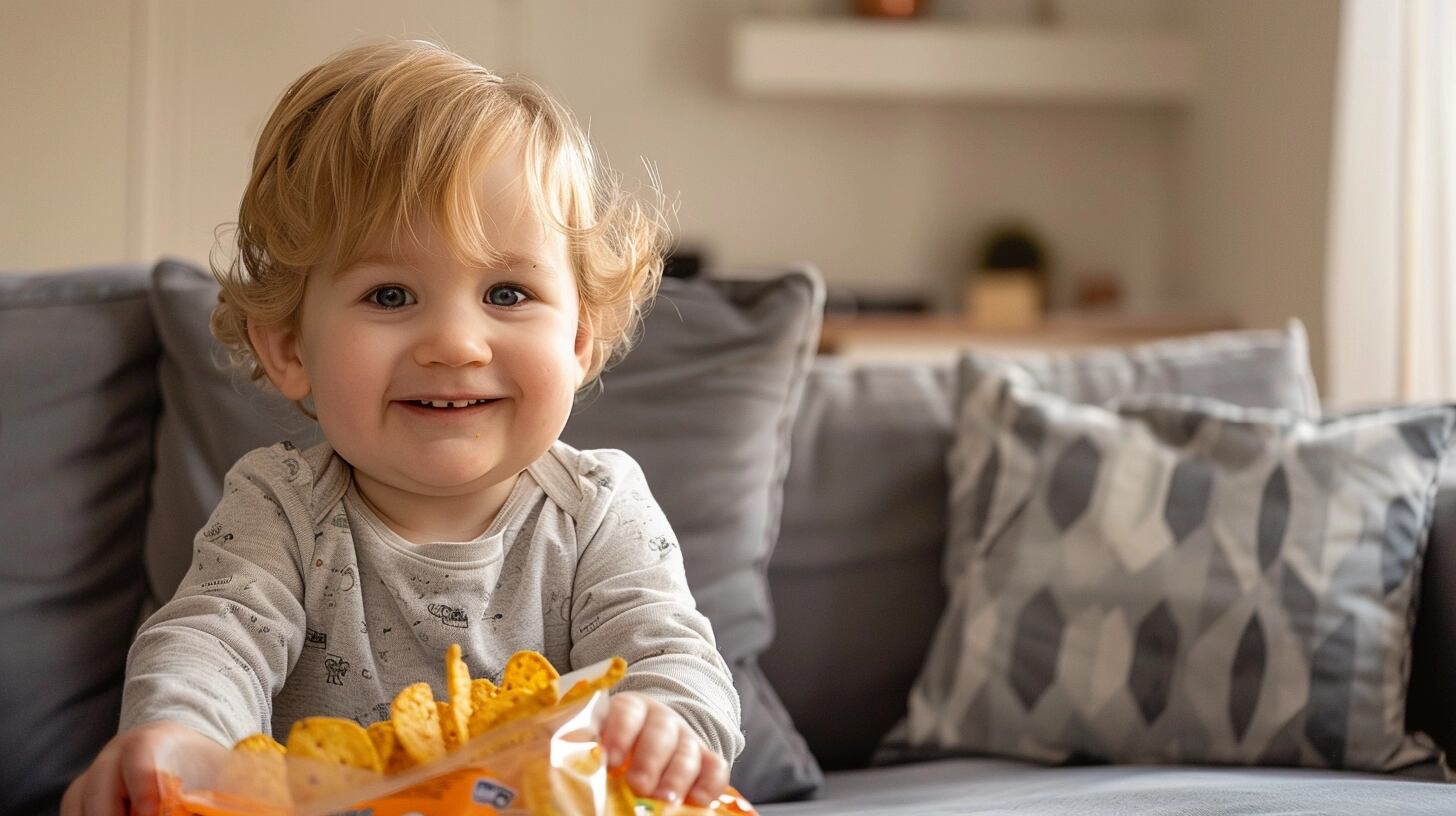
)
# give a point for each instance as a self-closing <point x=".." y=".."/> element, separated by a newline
<point x="64" y="82"/>
<point x="137" y="122"/>
<point x="1255" y="163"/>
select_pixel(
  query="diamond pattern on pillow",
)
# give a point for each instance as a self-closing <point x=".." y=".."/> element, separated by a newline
<point x="1177" y="580"/>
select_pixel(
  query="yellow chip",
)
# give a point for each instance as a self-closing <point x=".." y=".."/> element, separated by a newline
<point x="416" y="721"/>
<point x="335" y="741"/>
<point x="391" y="756"/>
<point x="611" y="677"/>
<point x="482" y="692"/>
<point x="528" y="670"/>
<point x="260" y="744"/>
<point x="518" y="703"/>
<point x="256" y="776"/>
<point x="449" y="726"/>
<point x="457" y="683"/>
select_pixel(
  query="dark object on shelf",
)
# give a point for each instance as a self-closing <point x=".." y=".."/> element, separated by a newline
<point x="1011" y="246"/>
<point x="683" y="263"/>
<point x="840" y="300"/>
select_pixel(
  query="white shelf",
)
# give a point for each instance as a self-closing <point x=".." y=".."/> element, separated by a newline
<point x="919" y="59"/>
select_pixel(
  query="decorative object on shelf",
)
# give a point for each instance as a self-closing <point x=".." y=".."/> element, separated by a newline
<point x="684" y="262"/>
<point x="889" y="8"/>
<point x="1099" y="290"/>
<point x="1008" y="289"/>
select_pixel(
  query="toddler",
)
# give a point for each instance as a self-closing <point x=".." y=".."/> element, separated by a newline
<point x="432" y="263"/>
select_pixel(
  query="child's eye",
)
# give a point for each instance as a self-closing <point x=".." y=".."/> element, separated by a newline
<point x="506" y="295"/>
<point x="390" y="297"/>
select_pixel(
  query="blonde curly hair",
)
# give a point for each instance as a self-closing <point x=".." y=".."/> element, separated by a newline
<point x="392" y="131"/>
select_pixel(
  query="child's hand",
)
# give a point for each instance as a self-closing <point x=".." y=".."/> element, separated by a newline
<point x="664" y="758"/>
<point x="123" y="778"/>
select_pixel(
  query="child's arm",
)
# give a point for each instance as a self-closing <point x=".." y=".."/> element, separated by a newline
<point x="214" y="656"/>
<point x="631" y="599"/>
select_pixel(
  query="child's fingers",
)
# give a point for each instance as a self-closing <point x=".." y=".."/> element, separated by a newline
<point x="711" y="781"/>
<point x="654" y="748"/>
<point x="101" y="792"/>
<point x="625" y="718"/>
<point x="681" y="770"/>
<point x="139" y="776"/>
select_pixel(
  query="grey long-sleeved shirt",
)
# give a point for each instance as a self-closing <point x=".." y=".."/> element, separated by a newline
<point x="301" y="602"/>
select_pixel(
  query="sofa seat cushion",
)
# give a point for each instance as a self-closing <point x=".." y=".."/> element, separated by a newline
<point x="78" y="352"/>
<point x="957" y="786"/>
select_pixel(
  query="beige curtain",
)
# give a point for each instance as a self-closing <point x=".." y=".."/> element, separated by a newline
<point x="1392" y="246"/>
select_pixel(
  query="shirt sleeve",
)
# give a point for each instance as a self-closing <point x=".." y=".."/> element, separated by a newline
<point x="214" y="656"/>
<point x="631" y="599"/>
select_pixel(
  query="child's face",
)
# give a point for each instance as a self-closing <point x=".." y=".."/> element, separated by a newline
<point x="378" y="342"/>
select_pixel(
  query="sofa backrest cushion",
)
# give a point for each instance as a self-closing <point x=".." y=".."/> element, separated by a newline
<point x="1431" y="707"/>
<point x="211" y="415"/>
<point x="706" y="404"/>
<point x="78" y="355"/>
<point x="856" y="573"/>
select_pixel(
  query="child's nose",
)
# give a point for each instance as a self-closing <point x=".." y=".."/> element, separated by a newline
<point x="454" y="343"/>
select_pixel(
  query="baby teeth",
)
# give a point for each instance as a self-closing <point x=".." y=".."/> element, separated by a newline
<point x="450" y="403"/>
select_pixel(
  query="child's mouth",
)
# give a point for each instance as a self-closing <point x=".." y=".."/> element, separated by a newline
<point x="448" y="404"/>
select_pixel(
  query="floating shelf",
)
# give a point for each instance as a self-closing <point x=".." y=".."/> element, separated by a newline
<point x="918" y="59"/>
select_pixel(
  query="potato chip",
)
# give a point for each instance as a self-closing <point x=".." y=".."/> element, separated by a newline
<point x="334" y="740"/>
<point x="457" y="683"/>
<point x="482" y="691"/>
<point x="258" y="776"/>
<point x="584" y="688"/>
<point x="386" y="744"/>
<point x="528" y="670"/>
<point x="454" y="737"/>
<point x="310" y="780"/>
<point x="260" y="744"/>
<point x="517" y="703"/>
<point x="416" y="721"/>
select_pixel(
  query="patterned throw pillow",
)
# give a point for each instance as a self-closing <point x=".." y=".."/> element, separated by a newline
<point x="1179" y="580"/>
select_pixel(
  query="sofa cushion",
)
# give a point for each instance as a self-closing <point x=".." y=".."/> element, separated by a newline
<point x="211" y="415"/>
<point x="1181" y="580"/>
<point x="1006" y="787"/>
<point x="1257" y="369"/>
<point x="78" y="353"/>
<point x="1433" y="662"/>
<point x="856" y="570"/>
<point x="705" y="404"/>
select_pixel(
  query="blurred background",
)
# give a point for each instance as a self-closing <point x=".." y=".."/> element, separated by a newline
<point x="1039" y="172"/>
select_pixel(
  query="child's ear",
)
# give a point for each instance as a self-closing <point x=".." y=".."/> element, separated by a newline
<point x="276" y="346"/>
<point x="585" y="345"/>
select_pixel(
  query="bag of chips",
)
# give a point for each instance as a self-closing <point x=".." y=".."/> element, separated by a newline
<point x="528" y="746"/>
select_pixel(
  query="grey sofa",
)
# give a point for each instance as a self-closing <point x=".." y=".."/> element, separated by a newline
<point x="854" y="579"/>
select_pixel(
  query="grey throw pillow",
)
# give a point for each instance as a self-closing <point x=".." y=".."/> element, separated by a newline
<point x="78" y="355"/>
<point x="1180" y="580"/>
<point x="1257" y="369"/>
<point x="705" y="404"/>
<point x="211" y="415"/>
<point x="857" y="564"/>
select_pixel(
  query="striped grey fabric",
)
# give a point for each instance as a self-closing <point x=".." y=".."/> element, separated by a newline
<point x="1178" y="580"/>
